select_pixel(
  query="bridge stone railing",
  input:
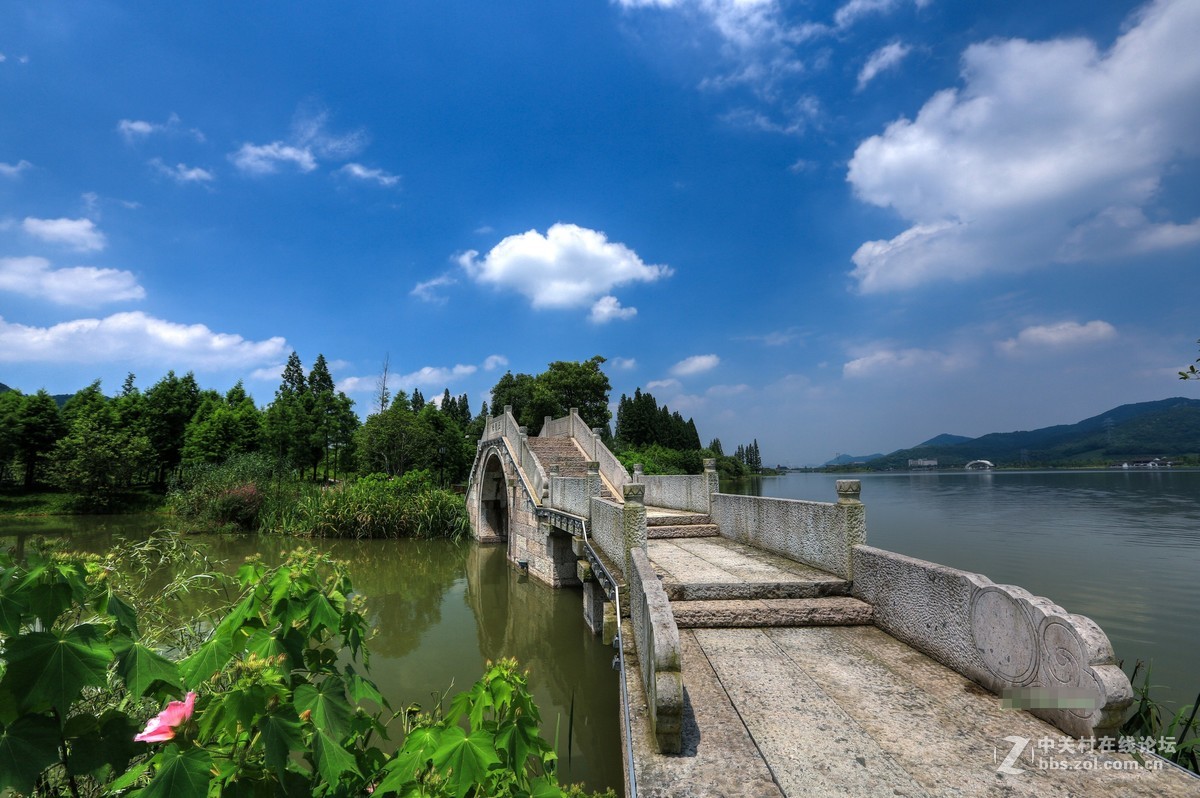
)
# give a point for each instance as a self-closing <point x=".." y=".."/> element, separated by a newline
<point x="659" y="653"/>
<point x="573" y="426"/>
<point x="570" y="494"/>
<point x="1031" y="652"/>
<point x="820" y="534"/>
<point x="692" y="492"/>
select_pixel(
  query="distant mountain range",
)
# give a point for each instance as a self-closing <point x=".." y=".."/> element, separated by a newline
<point x="59" y="398"/>
<point x="1168" y="427"/>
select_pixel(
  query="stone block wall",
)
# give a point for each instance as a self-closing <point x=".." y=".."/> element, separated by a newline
<point x="1000" y="636"/>
<point x="820" y="534"/>
<point x="607" y="532"/>
<point x="689" y="492"/>
<point x="657" y="639"/>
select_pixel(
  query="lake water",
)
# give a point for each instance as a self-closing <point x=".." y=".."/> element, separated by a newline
<point x="1119" y="546"/>
<point x="440" y="612"/>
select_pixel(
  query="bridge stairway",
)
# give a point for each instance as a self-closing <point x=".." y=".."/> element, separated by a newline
<point x="565" y="453"/>
<point x="713" y="582"/>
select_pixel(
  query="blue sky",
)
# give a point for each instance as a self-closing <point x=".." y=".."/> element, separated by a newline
<point x="835" y="227"/>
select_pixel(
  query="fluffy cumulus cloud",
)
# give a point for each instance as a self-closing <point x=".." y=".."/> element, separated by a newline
<point x="493" y="362"/>
<point x="434" y="376"/>
<point x="1049" y="152"/>
<point x="80" y="235"/>
<point x="266" y="159"/>
<point x="568" y="267"/>
<point x="696" y="364"/>
<point x="887" y="360"/>
<point x="1063" y="335"/>
<point x="134" y="338"/>
<point x="78" y="285"/>
<point x="887" y="57"/>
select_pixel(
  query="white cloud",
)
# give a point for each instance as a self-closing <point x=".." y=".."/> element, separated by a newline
<point x="80" y="235"/>
<point x="427" y="291"/>
<point x="775" y="337"/>
<point x="134" y="338"/>
<point x="1063" y="335"/>
<point x="309" y="141"/>
<point x="79" y="285"/>
<point x="360" y="172"/>
<point x="568" y="267"/>
<point x="696" y="364"/>
<point x="888" y="361"/>
<point x="797" y="117"/>
<point x="1048" y="153"/>
<point x="493" y="362"/>
<point x="658" y="385"/>
<point x="182" y="173"/>
<point x="434" y="376"/>
<point x="275" y="372"/>
<point x="265" y="159"/>
<point x="887" y="57"/>
<point x="608" y="308"/>
<point x="12" y="170"/>
<point x="624" y="363"/>
<point x="133" y="130"/>
<point x="724" y="391"/>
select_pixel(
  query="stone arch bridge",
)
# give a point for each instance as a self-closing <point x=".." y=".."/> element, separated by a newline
<point x="750" y="627"/>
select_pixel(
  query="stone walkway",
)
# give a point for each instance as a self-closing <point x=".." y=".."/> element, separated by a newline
<point x="850" y="711"/>
<point x="790" y="691"/>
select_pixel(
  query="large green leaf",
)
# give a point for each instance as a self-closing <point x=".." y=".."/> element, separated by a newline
<point x="281" y="735"/>
<point x="207" y="660"/>
<point x="332" y="759"/>
<point x="417" y="750"/>
<point x="12" y="612"/>
<point x="26" y="748"/>
<point x="142" y="667"/>
<point x="321" y="613"/>
<point x="181" y="775"/>
<point x="46" y="669"/>
<point x="111" y="744"/>
<point x="466" y="757"/>
<point x="328" y="705"/>
<point x="122" y="613"/>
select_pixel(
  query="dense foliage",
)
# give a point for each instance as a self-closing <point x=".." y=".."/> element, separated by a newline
<point x="563" y="385"/>
<point x="271" y="697"/>
<point x="251" y="493"/>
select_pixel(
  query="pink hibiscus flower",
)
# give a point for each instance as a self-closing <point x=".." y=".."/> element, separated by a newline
<point x="162" y="728"/>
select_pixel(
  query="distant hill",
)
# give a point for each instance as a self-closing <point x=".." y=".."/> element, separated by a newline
<point x="847" y="459"/>
<point x="4" y="388"/>
<point x="944" y="439"/>
<point x="1166" y="427"/>
<point x="59" y="398"/>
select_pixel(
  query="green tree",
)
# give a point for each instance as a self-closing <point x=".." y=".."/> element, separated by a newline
<point x="564" y="384"/>
<point x="10" y="407"/>
<point x="1190" y="373"/>
<point x="97" y="458"/>
<point x="38" y="428"/>
<point x="170" y="405"/>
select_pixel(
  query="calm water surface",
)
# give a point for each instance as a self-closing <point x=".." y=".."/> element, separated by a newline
<point x="440" y="612"/>
<point x="1121" y="547"/>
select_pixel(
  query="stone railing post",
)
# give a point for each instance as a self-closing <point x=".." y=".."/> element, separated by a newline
<point x="853" y="516"/>
<point x="573" y="414"/>
<point x="593" y="479"/>
<point x="554" y="471"/>
<point x="638" y="473"/>
<point x="712" y="479"/>
<point x="546" y="424"/>
<point x="634" y="520"/>
<point x="596" y="443"/>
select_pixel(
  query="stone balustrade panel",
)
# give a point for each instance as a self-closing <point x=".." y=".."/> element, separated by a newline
<point x="687" y="492"/>
<point x="571" y="495"/>
<point x="657" y="640"/>
<point x="820" y="534"/>
<point x="1013" y="643"/>
<point x="607" y="532"/>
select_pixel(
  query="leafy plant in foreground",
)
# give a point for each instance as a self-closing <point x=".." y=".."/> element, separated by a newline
<point x="276" y="697"/>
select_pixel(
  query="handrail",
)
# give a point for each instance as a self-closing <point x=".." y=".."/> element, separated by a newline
<point x="613" y="591"/>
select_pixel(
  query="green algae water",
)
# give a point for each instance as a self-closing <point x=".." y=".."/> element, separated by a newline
<point x="1119" y="546"/>
<point x="439" y="612"/>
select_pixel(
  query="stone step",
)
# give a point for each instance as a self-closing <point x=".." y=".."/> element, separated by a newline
<point x="707" y="568"/>
<point x="749" y="613"/>
<point x="659" y="517"/>
<point x="660" y="531"/>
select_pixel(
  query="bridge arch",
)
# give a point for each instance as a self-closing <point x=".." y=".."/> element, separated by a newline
<point x="980" y="465"/>
<point x="493" y="508"/>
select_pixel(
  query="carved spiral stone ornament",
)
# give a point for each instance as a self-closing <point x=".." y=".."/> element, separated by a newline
<point x="1005" y="636"/>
